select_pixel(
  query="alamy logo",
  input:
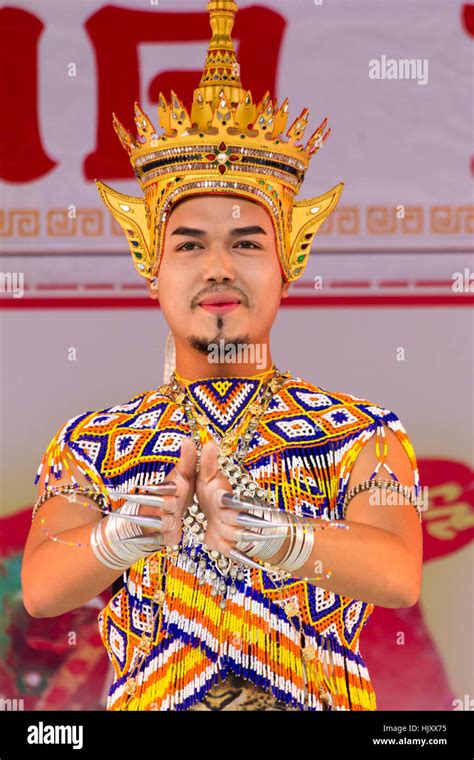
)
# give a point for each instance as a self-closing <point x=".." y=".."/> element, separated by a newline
<point x="46" y="734"/>
<point x="399" y="68"/>
<point x="237" y="353"/>
<point x="11" y="704"/>
<point x="12" y="282"/>
<point x="463" y="704"/>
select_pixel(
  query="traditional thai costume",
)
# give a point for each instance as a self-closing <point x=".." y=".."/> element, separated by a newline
<point x="182" y="623"/>
<point x="189" y="628"/>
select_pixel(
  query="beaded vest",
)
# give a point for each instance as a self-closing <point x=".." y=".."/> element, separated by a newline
<point x="302" y="451"/>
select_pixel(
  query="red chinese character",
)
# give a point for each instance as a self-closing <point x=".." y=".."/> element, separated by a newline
<point x="22" y="157"/>
<point x="116" y="33"/>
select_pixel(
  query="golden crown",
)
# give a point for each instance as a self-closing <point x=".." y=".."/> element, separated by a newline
<point x="227" y="144"/>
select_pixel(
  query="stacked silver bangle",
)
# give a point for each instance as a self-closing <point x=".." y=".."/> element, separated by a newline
<point x="118" y="543"/>
<point x="268" y="548"/>
<point x="300" y="547"/>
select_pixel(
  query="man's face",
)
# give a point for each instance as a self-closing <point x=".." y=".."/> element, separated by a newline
<point x="219" y="277"/>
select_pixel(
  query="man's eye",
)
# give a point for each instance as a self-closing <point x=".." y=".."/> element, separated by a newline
<point x="190" y="245"/>
<point x="247" y="243"/>
<point x="183" y="247"/>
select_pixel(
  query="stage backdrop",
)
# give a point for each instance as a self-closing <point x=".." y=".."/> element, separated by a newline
<point x="383" y="311"/>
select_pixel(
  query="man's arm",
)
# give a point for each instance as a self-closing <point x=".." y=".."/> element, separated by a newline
<point x="379" y="558"/>
<point x="56" y="577"/>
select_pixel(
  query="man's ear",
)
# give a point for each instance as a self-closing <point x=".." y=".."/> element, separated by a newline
<point x="152" y="286"/>
<point x="285" y="288"/>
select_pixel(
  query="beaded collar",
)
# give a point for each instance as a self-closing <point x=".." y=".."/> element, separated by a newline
<point x="223" y="400"/>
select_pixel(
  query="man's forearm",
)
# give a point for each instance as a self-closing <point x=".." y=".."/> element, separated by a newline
<point x="57" y="578"/>
<point x="366" y="563"/>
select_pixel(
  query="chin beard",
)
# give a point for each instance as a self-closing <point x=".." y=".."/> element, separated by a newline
<point x="206" y="345"/>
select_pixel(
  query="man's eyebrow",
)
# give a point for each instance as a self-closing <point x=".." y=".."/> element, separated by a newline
<point x="237" y="232"/>
<point x="188" y="231"/>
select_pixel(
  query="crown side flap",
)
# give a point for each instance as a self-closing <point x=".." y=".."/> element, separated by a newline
<point x="131" y="213"/>
<point x="307" y="217"/>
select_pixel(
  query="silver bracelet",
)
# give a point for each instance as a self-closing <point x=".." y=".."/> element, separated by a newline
<point x="293" y="545"/>
<point x="270" y="547"/>
<point x="131" y="532"/>
<point x="307" y="547"/>
<point x="273" y="545"/>
<point x="300" y="549"/>
<point x="119" y="543"/>
<point x="249" y="547"/>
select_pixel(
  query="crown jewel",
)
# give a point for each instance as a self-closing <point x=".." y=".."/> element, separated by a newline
<point x="225" y="143"/>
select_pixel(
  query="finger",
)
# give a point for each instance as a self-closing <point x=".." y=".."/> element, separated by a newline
<point x="219" y="543"/>
<point x="162" y="523"/>
<point x="266" y="525"/>
<point x="153" y="494"/>
<point x="143" y="520"/>
<point x="169" y="523"/>
<point x="246" y="534"/>
<point x="242" y="559"/>
<point x="167" y="488"/>
<point x="165" y="504"/>
<point x="165" y="522"/>
<point x="232" y="517"/>
<point x="232" y="501"/>
<point x="209" y="468"/>
<point x="185" y="468"/>
<point x="141" y="498"/>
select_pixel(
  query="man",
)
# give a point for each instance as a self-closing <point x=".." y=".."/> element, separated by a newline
<point x="268" y="520"/>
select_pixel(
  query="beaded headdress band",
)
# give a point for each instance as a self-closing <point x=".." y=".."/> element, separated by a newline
<point x="226" y="144"/>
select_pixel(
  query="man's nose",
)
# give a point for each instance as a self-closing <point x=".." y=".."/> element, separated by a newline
<point x="218" y="263"/>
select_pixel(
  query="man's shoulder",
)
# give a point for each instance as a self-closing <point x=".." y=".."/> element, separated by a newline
<point x="140" y="411"/>
<point x="338" y="411"/>
<point x="104" y="437"/>
<point x="319" y="397"/>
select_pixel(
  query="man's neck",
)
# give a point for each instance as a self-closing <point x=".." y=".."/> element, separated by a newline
<point x="197" y="370"/>
<point x="228" y="360"/>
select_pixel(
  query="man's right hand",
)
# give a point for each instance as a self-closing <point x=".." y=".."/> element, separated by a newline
<point x="176" y="503"/>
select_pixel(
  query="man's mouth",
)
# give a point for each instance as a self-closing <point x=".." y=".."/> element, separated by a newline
<point x="219" y="303"/>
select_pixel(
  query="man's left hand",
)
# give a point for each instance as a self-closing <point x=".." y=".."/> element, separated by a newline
<point x="210" y="486"/>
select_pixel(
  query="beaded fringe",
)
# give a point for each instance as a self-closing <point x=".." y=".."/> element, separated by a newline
<point x="189" y="658"/>
<point x="186" y="663"/>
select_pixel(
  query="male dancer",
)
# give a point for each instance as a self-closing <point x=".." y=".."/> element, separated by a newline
<point x="244" y="507"/>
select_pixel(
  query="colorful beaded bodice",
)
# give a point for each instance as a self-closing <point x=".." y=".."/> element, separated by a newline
<point x="302" y="451"/>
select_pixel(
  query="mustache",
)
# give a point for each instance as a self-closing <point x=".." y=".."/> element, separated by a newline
<point x="216" y="291"/>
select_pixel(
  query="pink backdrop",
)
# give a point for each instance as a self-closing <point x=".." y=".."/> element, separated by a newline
<point x="388" y="279"/>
